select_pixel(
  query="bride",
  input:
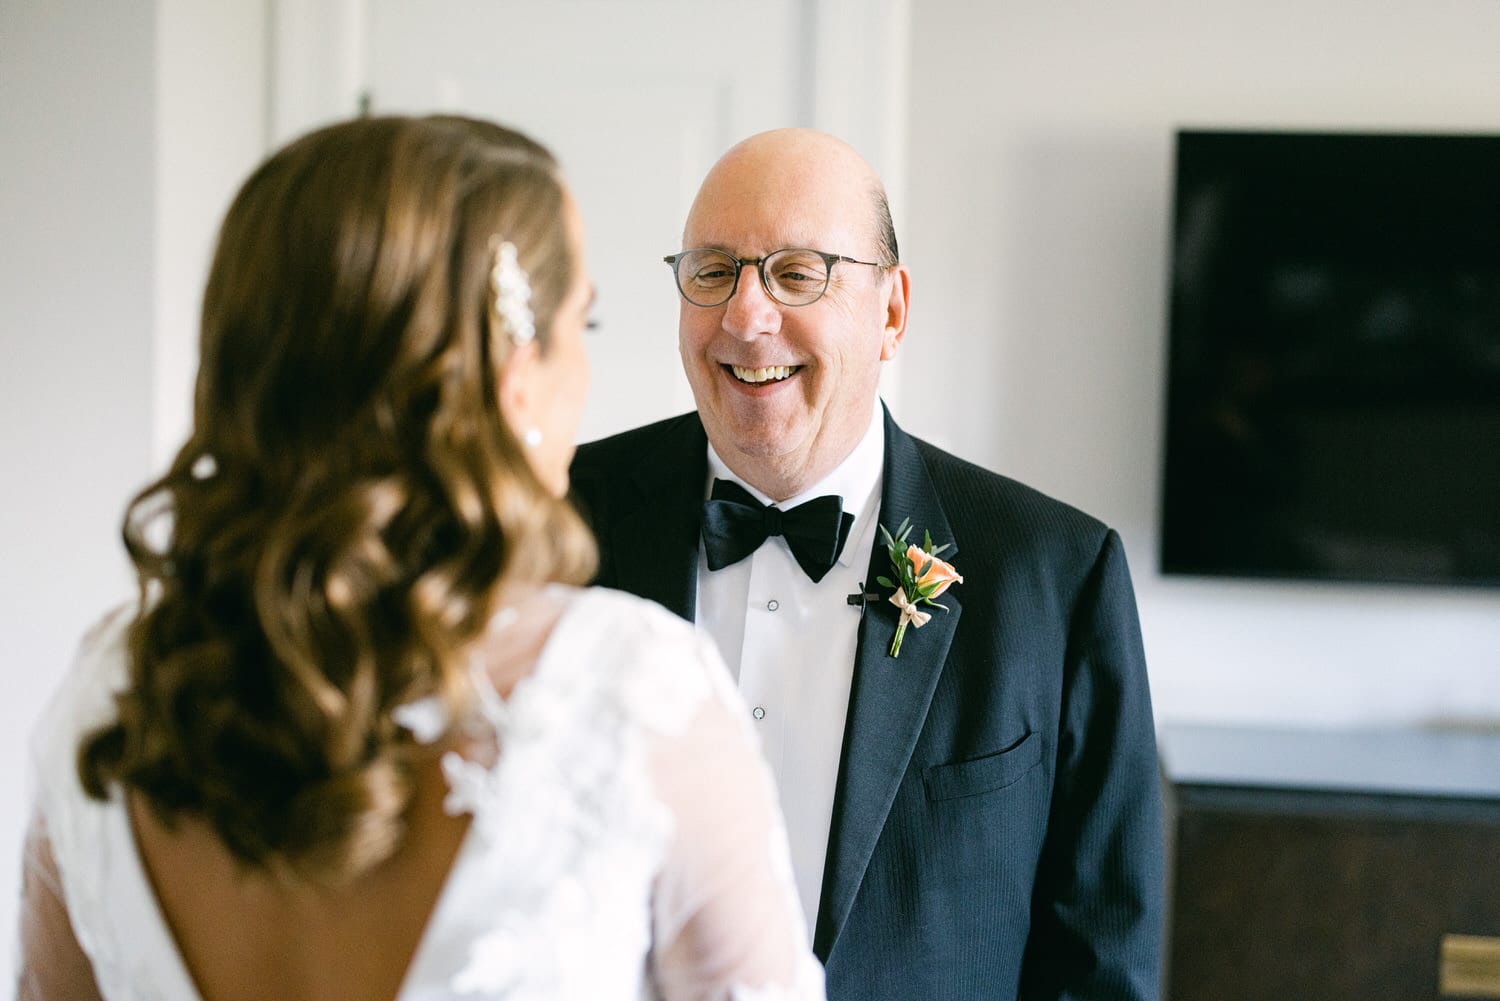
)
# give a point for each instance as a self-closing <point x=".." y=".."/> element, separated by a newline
<point x="363" y="736"/>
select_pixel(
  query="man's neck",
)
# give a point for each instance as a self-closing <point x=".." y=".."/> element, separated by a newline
<point x="778" y="481"/>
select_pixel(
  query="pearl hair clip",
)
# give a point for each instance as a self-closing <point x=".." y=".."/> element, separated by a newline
<point x="512" y="291"/>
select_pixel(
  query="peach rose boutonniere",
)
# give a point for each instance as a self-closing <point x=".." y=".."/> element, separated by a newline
<point x="920" y="577"/>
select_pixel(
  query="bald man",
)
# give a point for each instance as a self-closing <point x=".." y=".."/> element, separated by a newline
<point x="978" y="814"/>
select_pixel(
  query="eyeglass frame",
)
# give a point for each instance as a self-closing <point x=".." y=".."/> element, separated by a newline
<point x="760" y="266"/>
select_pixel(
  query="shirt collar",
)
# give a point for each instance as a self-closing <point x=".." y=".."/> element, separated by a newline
<point x="856" y="480"/>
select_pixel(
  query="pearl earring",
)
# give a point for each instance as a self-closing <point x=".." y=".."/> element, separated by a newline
<point x="532" y="437"/>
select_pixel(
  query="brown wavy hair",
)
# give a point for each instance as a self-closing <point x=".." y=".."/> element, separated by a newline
<point x="331" y="539"/>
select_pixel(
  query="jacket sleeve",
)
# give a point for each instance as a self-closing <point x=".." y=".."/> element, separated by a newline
<point x="1098" y="906"/>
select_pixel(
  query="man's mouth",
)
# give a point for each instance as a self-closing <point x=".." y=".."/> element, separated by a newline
<point x="760" y="376"/>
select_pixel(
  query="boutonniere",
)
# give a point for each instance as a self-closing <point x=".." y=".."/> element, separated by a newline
<point x="920" y="577"/>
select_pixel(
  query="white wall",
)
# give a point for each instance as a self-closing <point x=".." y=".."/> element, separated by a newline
<point x="1039" y="182"/>
<point x="77" y="204"/>
<point x="123" y="129"/>
<point x="212" y="123"/>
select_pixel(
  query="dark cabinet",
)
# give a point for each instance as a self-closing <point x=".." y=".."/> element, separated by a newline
<point x="1332" y="866"/>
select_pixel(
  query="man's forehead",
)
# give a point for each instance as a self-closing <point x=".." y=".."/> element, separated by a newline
<point x="742" y="241"/>
<point x="747" y="224"/>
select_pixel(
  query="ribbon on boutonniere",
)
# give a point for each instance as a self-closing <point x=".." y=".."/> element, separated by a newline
<point x="920" y="577"/>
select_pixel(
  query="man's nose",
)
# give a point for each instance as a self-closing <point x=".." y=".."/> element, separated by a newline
<point x="751" y="310"/>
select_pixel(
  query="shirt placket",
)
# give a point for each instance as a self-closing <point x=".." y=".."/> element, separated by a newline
<point x="762" y="671"/>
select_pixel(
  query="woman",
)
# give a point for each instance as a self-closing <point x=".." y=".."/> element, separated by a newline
<point x="361" y="737"/>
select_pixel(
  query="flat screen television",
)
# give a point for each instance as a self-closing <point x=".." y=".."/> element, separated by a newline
<point x="1333" y="375"/>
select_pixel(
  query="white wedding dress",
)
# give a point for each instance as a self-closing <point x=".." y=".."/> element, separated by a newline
<point x="625" y="843"/>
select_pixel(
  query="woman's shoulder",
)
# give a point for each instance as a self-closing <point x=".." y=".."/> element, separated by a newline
<point x="626" y="619"/>
<point x="84" y="697"/>
<point x="643" y="650"/>
<point x="87" y="837"/>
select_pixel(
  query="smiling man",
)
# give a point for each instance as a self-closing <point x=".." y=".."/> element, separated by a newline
<point x="978" y="816"/>
<point x="784" y="357"/>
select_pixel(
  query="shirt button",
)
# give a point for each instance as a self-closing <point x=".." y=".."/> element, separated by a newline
<point x="772" y="605"/>
<point x="758" y="713"/>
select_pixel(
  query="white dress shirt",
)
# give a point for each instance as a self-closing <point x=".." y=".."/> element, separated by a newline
<point x="790" y="644"/>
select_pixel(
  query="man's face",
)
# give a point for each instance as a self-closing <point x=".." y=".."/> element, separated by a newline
<point x="786" y="428"/>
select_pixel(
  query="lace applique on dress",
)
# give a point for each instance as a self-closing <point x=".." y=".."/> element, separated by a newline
<point x="569" y="829"/>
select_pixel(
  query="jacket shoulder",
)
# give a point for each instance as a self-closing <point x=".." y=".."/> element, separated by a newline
<point x="651" y="464"/>
<point x="992" y="508"/>
<point x="625" y="447"/>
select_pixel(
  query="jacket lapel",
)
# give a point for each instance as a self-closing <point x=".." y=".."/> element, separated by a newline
<point x="889" y="700"/>
<point x="654" y="545"/>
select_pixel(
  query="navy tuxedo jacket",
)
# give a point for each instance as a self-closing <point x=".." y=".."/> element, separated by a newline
<point x="997" y="820"/>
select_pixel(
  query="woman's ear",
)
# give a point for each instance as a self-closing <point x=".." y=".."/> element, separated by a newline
<point x="514" y="386"/>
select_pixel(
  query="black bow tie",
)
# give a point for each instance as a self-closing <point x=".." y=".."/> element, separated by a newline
<point x="735" y="524"/>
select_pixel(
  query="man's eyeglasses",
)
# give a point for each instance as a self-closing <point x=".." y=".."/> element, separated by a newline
<point x="793" y="277"/>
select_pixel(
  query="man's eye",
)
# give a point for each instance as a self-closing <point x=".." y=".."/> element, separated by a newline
<point x="800" y="269"/>
<point x="793" y="277"/>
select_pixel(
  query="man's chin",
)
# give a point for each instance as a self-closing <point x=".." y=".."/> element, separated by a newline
<point x="765" y="438"/>
<point x="737" y="452"/>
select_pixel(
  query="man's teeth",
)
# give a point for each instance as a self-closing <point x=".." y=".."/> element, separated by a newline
<point x="771" y="374"/>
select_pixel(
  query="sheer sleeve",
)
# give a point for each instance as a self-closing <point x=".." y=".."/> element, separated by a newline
<point x="727" y="920"/>
<point x="53" y="965"/>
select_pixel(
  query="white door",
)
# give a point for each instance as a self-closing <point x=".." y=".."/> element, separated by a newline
<point x="637" y="99"/>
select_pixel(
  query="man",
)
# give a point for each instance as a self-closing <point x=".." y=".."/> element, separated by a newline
<point x="978" y="816"/>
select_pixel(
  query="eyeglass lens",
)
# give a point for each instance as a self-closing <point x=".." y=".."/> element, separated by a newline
<point x="794" y="277"/>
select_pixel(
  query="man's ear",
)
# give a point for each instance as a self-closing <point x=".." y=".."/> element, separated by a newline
<point x="896" y="308"/>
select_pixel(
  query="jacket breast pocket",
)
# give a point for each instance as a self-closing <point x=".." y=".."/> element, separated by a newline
<point x="986" y="774"/>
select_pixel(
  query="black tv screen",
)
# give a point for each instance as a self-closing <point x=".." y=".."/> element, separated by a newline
<point x="1333" y="381"/>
